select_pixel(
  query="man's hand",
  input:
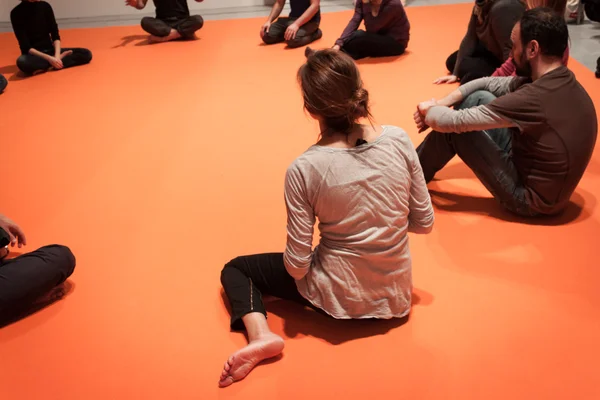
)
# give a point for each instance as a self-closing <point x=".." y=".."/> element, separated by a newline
<point x="446" y="79"/>
<point x="132" y="3"/>
<point x="291" y="31"/>
<point x="336" y="47"/>
<point x="16" y="234"/>
<point x="421" y="113"/>
<point x="265" y="28"/>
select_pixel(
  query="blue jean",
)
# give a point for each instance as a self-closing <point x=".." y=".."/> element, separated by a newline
<point x="487" y="153"/>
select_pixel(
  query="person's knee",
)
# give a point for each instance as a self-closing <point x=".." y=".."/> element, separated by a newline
<point x="155" y="27"/>
<point x="23" y="64"/>
<point x="86" y="56"/>
<point x="270" y="39"/>
<point x="61" y="257"/>
<point x="3" y="83"/>
<point x="477" y="98"/>
<point x="198" y="21"/>
<point x="231" y="266"/>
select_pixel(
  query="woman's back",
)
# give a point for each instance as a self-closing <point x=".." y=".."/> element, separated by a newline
<point x="365" y="199"/>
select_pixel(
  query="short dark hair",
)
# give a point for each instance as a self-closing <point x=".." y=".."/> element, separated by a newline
<point x="546" y="27"/>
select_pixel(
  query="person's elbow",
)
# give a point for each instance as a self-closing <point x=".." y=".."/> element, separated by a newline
<point x="422" y="225"/>
<point x="296" y="268"/>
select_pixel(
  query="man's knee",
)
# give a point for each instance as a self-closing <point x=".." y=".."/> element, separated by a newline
<point x="270" y="39"/>
<point x="477" y="98"/>
<point x="60" y="257"/>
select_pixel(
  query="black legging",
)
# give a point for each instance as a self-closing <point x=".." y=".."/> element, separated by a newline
<point x="308" y="33"/>
<point x="25" y="278"/>
<point x="3" y="83"/>
<point x="245" y="279"/>
<point x="480" y="64"/>
<point x="186" y="27"/>
<point x="29" y="63"/>
<point x="363" y="44"/>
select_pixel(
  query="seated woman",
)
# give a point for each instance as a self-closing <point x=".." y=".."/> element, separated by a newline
<point x="3" y="83"/>
<point x="365" y="185"/>
<point x="387" y="30"/>
<point x="173" y="20"/>
<point x="26" y="278"/>
<point x="300" y="28"/>
<point x="559" y="6"/>
<point x="487" y="44"/>
<point x="37" y="33"/>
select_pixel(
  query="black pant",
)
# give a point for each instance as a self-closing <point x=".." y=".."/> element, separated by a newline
<point x="186" y="27"/>
<point x="481" y="64"/>
<point x="3" y="83"/>
<point x="488" y="153"/>
<point x="246" y="278"/>
<point x="307" y="33"/>
<point x="25" y="278"/>
<point x="363" y="44"/>
<point x="30" y="64"/>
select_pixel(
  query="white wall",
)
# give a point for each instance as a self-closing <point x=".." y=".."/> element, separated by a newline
<point x="100" y="8"/>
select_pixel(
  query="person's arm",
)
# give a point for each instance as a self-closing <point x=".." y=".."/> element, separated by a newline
<point x="310" y="12"/>
<point x="20" y="28"/>
<point x="467" y="45"/>
<point x="446" y="120"/>
<point x="421" y="216"/>
<point x="276" y="11"/>
<point x="506" y="69"/>
<point x="503" y="17"/>
<point x="352" y="25"/>
<point x="300" y="225"/>
<point x="498" y="86"/>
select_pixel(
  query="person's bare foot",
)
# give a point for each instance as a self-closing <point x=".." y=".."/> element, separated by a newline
<point x="239" y="365"/>
<point x="173" y="35"/>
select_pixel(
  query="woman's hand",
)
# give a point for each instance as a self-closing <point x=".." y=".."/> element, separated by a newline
<point x="265" y="28"/>
<point x="446" y="79"/>
<point x="291" y="31"/>
<point x="336" y="47"/>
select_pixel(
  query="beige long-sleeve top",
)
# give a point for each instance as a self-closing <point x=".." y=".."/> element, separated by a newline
<point x="366" y="199"/>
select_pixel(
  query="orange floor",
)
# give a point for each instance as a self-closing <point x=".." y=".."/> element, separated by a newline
<point x="157" y="164"/>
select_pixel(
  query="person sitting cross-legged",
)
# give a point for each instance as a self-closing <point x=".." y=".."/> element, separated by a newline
<point x="173" y="20"/>
<point x="28" y="277"/>
<point x="36" y="30"/>
<point x="300" y="28"/>
<point x="528" y="138"/>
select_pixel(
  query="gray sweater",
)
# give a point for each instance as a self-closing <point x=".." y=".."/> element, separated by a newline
<point x="366" y="199"/>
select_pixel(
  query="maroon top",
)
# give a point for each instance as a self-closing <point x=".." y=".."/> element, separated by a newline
<point x="391" y="21"/>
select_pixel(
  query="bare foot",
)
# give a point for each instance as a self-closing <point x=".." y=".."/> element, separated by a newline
<point x="173" y="35"/>
<point x="242" y="362"/>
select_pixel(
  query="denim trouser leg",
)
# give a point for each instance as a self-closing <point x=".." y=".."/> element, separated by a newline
<point x="487" y="153"/>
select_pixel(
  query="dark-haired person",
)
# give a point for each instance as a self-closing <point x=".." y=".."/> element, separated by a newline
<point x="509" y="68"/>
<point x="528" y="138"/>
<point x="3" y="83"/>
<point x="298" y="29"/>
<point x="387" y="30"/>
<point x="365" y="185"/>
<point x="173" y="20"/>
<point x="24" y="279"/>
<point x="486" y="45"/>
<point x="37" y="33"/>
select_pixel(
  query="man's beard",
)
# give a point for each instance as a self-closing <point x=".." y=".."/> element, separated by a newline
<point x="523" y="66"/>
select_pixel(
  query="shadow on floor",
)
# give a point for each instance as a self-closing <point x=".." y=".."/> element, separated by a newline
<point x="381" y="60"/>
<point x="142" y="40"/>
<point x="300" y="320"/>
<point x="489" y="206"/>
<point x="56" y="294"/>
<point x="9" y="69"/>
